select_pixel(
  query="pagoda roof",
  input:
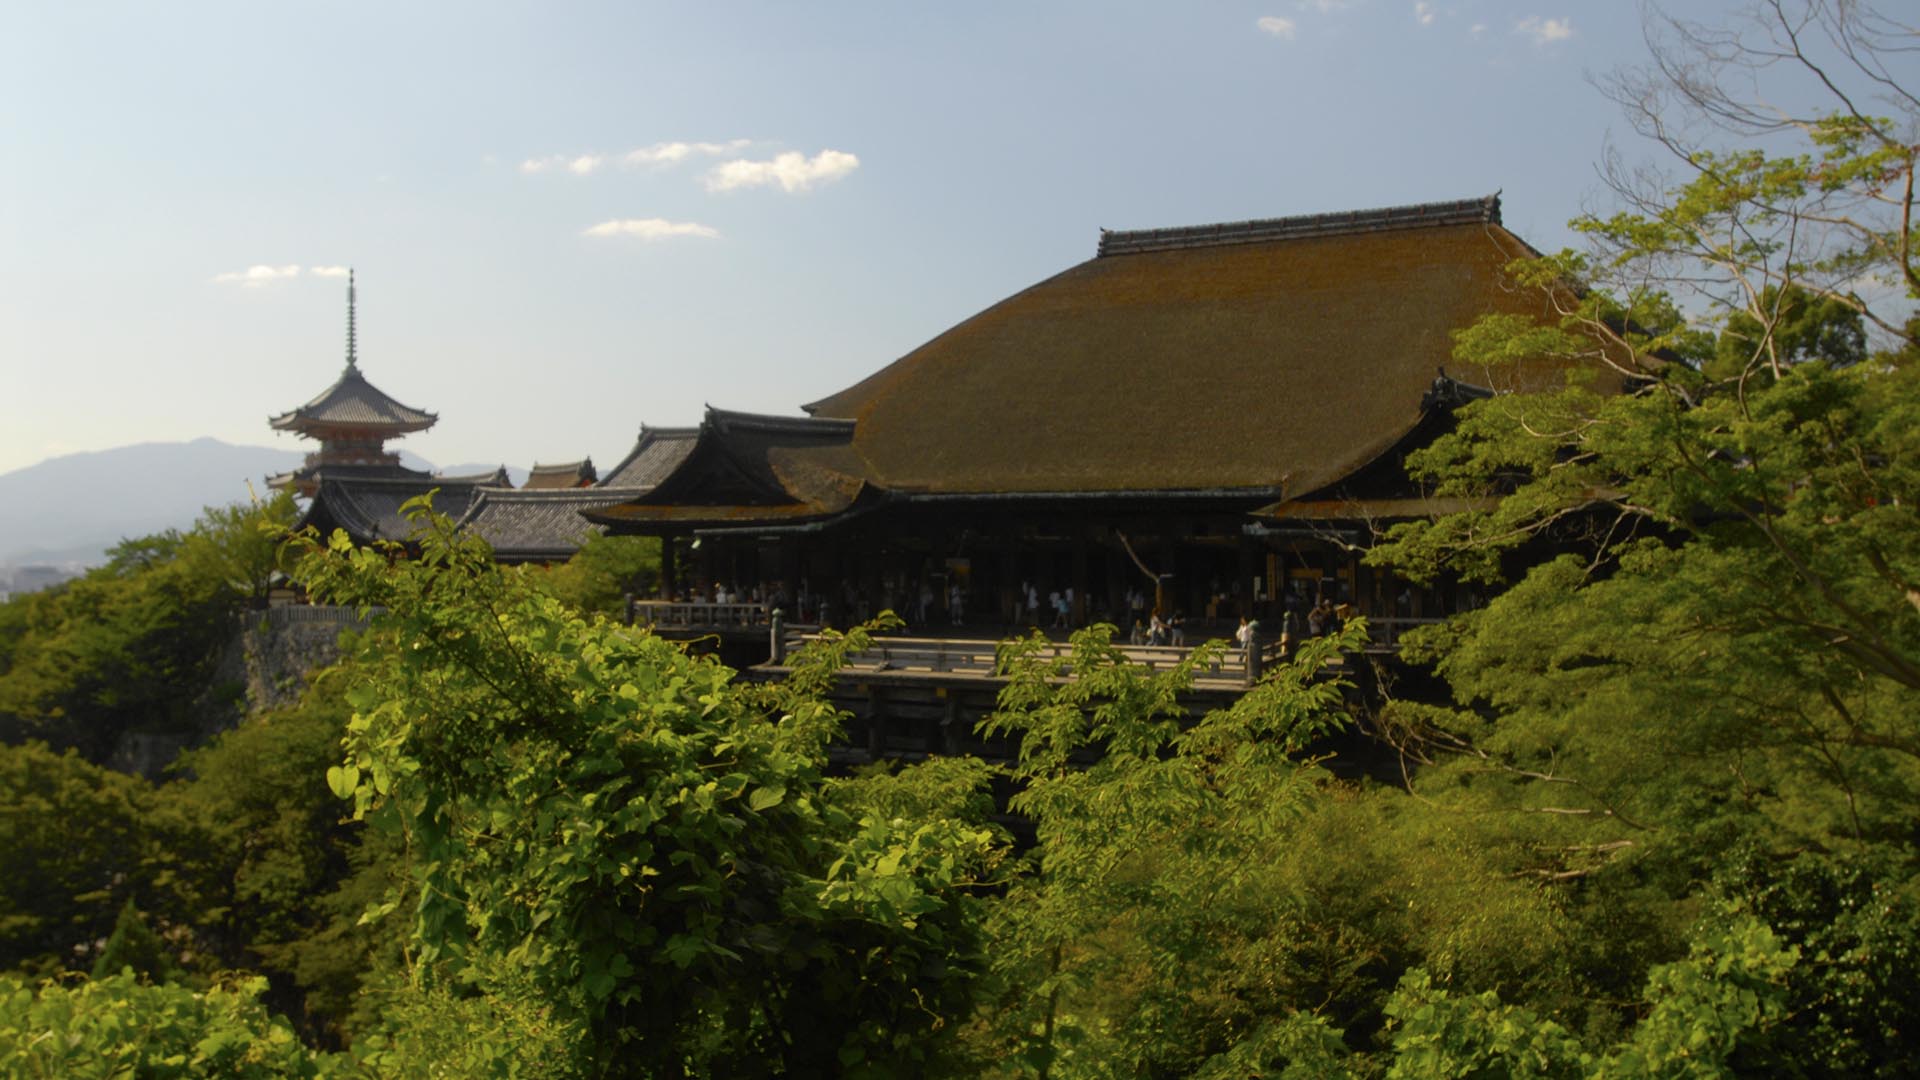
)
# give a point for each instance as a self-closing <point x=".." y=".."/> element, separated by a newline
<point x="540" y="525"/>
<point x="1263" y="356"/>
<point x="353" y="402"/>
<point x="571" y="474"/>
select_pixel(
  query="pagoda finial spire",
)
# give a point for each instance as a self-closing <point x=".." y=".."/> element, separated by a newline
<point x="352" y="355"/>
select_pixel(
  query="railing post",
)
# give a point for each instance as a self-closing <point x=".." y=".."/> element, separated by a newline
<point x="629" y="609"/>
<point x="1253" y="654"/>
<point x="777" y="652"/>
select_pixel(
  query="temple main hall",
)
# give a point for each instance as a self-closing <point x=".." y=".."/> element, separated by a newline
<point x="1205" y="421"/>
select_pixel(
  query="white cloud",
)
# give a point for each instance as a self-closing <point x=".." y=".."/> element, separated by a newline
<point x="579" y="164"/>
<point x="673" y="153"/>
<point x="255" y="276"/>
<point x="662" y="153"/>
<point x="652" y="229"/>
<point x="1477" y="29"/>
<point x="1423" y="11"/>
<point x="792" y="171"/>
<point x="1277" y="25"/>
<point x="328" y="271"/>
<point x="1544" y="31"/>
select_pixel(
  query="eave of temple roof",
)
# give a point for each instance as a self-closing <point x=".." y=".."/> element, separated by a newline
<point x="368" y="507"/>
<point x="655" y="454"/>
<point x="353" y="403"/>
<point x="746" y="467"/>
<point x="569" y="474"/>
<point x="494" y="477"/>
<point x="1268" y="355"/>
<point x="747" y="459"/>
<point x="540" y="525"/>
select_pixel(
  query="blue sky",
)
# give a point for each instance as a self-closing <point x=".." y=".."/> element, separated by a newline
<point x="571" y="218"/>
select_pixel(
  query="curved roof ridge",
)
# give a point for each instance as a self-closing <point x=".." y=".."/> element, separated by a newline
<point x="1481" y="211"/>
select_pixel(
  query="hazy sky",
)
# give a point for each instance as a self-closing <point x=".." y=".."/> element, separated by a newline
<point x="571" y="218"/>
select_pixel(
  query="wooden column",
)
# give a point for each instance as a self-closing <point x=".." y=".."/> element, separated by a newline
<point x="667" y="569"/>
<point x="1243" y="581"/>
<point x="1079" y="615"/>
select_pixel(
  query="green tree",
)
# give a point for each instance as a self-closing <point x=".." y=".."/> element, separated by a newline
<point x="134" y="947"/>
<point x="1143" y="938"/>
<point x="73" y="849"/>
<point x="255" y="854"/>
<point x="119" y="1026"/>
<point x="648" y="843"/>
<point x="1730" y="642"/>
<point x="132" y="645"/>
<point x="600" y="576"/>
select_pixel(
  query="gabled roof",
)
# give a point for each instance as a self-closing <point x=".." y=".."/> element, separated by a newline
<point x="538" y="525"/>
<point x="494" y="477"/>
<point x="744" y="468"/>
<point x="353" y="402"/>
<point x="571" y="474"/>
<point x="1270" y="356"/>
<point x="368" y="507"/>
<point x="654" y="456"/>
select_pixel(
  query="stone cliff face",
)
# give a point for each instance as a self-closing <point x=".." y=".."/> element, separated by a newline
<point x="279" y="648"/>
<point x="266" y="665"/>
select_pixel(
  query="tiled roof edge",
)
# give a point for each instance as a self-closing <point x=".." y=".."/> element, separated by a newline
<point x="1481" y="211"/>
<point x="805" y="425"/>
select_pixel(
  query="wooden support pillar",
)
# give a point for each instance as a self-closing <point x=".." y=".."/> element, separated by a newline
<point x="876" y="722"/>
<point x="668" y="574"/>
<point x="1079" y="614"/>
<point x="1243" y="580"/>
<point x="950" y="724"/>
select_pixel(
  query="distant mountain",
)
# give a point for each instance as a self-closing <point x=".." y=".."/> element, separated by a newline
<point x="70" y="510"/>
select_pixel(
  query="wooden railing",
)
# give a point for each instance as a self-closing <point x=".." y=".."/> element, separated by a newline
<point x="979" y="657"/>
<point x="697" y="616"/>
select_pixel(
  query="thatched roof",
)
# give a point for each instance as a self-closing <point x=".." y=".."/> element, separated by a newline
<point x="1273" y="356"/>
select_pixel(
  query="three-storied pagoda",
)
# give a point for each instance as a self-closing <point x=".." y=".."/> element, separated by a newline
<point x="352" y="420"/>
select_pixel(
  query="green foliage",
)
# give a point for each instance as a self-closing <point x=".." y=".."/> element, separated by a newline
<point x="131" y="646"/>
<point x="121" y="1027"/>
<point x="1728" y="993"/>
<point x="443" y="1033"/>
<point x="135" y="948"/>
<point x="599" y="577"/>
<point x="1146" y="935"/>
<point x="72" y="849"/>
<point x="1850" y="1002"/>
<point x="650" y="844"/>
<point x="258" y="858"/>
